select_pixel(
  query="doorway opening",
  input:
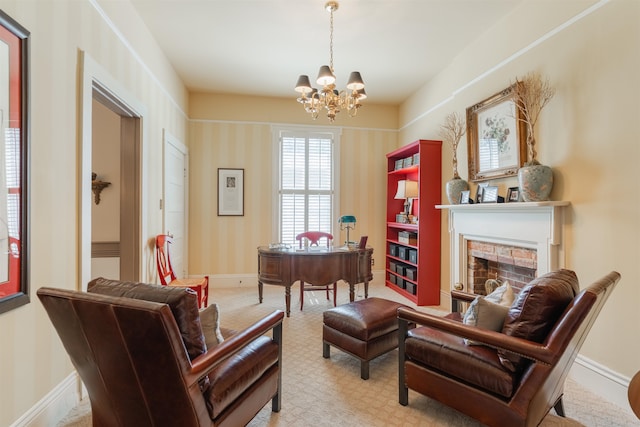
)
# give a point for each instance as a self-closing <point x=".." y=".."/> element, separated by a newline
<point x="115" y="151"/>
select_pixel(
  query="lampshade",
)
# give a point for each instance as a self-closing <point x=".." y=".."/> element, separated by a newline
<point x="355" y="81"/>
<point x="407" y="189"/>
<point x="325" y="76"/>
<point x="347" y="219"/>
<point x="303" y="85"/>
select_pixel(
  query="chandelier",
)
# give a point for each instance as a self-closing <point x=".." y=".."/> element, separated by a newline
<point x="328" y="98"/>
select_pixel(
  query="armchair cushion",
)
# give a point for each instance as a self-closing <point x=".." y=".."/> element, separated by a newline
<point x="485" y="314"/>
<point x="536" y="310"/>
<point x="236" y="375"/>
<point x="210" y="321"/>
<point x="447" y="353"/>
<point x="182" y="301"/>
<point x="489" y="311"/>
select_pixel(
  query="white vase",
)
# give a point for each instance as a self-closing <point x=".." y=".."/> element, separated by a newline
<point x="535" y="182"/>
<point x="456" y="186"/>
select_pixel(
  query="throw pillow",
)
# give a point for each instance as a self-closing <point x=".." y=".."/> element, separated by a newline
<point x="210" y="321"/>
<point x="503" y="294"/>
<point x="536" y="310"/>
<point x="182" y="301"/>
<point x="489" y="311"/>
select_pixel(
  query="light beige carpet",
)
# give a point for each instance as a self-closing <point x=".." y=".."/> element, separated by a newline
<point x="329" y="392"/>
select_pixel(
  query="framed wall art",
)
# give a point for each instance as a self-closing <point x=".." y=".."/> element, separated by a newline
<point x="14" y="163"/>
<point x="496" y="137"/>
<point x="230" y="192"/>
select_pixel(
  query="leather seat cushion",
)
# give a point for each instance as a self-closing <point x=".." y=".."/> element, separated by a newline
<point x="364" y="319"/>
<point x="234" y="376"/>
<point x="448" y="354"/>
<point x="182" y="301"/>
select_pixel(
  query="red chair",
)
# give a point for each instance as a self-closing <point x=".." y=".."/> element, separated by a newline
<point x="168" y="277"/>
<point x="313" y="237"/>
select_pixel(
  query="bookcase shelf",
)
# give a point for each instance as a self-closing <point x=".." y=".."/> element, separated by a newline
<point x="413" y="268"/>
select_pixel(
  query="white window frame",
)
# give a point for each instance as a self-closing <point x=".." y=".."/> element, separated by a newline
<point x="304" y="131"/>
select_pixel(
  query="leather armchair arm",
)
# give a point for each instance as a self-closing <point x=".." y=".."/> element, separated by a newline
<point x="529" y="349"/>
<point x="463" y="296"/>
<point x="458" y="297"/>
<point x="205" y="363"/>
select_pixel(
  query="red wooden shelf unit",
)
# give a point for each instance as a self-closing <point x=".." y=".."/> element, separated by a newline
<point x="413" y="266"/>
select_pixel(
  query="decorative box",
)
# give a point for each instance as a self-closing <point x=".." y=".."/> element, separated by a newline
<point x="399" y="164"/>
<point x="400" y="269"/>
<point x="392" y="278"/>
<point x="392" y="265"/>
<point x="408" y="238"/>
<point x="393" y="250"/>
<point x="403" y="252"/>
<point x="410" y="287"/>
<point x="413" y="256"/>
<point x="411" y="273"/>
<point x="416" y="159"/>
<point x="407" y="162"/>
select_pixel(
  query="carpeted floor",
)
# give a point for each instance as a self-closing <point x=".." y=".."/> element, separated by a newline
<point x="328" y="392"/>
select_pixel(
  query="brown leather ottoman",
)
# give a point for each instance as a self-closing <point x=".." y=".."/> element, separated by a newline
<point x="365" y="329"/>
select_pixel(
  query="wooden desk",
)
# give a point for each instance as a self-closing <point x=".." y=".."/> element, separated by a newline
<point x="316" y="266"/>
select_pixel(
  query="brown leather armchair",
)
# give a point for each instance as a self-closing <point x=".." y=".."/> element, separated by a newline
<point x="511" y="379"/>
<point x="139" y="369"/>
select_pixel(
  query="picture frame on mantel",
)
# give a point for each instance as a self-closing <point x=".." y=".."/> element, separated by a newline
<point x="14" y="162"/>
<point x="230" y="192"/>
<point x="496" y="137"/>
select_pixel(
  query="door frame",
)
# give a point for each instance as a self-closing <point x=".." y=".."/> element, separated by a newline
<point x="169" y="139"/>
<point x="94" y="79"/>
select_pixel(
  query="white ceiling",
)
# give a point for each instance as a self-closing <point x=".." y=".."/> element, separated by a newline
<point x="259" y="47"/>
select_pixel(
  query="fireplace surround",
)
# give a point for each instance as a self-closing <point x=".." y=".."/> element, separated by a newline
<point x="510" y="238"/>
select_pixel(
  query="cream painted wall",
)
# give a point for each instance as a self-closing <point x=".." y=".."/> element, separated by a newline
<point x="227" y="245"/>
<point x="594" y="62"/>
<point x="588" y="134"/>
<point x="32" y="360"/>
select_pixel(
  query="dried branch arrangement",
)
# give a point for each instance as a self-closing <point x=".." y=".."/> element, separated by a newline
<point x="532" y="93"/>
<point x="451" y="131"/>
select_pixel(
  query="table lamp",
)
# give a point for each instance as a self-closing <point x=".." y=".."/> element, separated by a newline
<point x="407" y="190"/>
<point x="347" y="222"/>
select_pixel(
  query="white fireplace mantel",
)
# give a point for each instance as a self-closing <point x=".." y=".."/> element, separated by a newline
<point x="535" y="225"/>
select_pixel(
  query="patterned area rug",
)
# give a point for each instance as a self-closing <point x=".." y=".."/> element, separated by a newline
<point x="329" y="392"/>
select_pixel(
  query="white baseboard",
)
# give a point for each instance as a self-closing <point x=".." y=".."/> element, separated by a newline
<point x="602" y="381"/>
<point x="54" y="406"/>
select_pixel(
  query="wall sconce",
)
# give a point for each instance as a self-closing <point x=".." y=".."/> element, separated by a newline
<point x="407" y="190"/>
<point x="97" y="186"/>
<point x="347" y="222"/>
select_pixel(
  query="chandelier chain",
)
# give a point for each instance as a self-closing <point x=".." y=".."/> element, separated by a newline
<point x="331" y="43"/>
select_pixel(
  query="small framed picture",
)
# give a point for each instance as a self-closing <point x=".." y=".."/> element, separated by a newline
<point x="513" y="194"/>
<point x="480" y="189"/>
<point x="465" y="198"/>
<point x="490" y="194"/>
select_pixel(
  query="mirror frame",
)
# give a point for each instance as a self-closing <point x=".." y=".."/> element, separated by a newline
<point x="15" y="292"/>
<point x="517" y="142"/>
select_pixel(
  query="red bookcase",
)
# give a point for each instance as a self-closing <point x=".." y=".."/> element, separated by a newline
<point x="413" y="265"/>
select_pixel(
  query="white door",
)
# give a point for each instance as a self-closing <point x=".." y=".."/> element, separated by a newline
<point x="176" y="187"/>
